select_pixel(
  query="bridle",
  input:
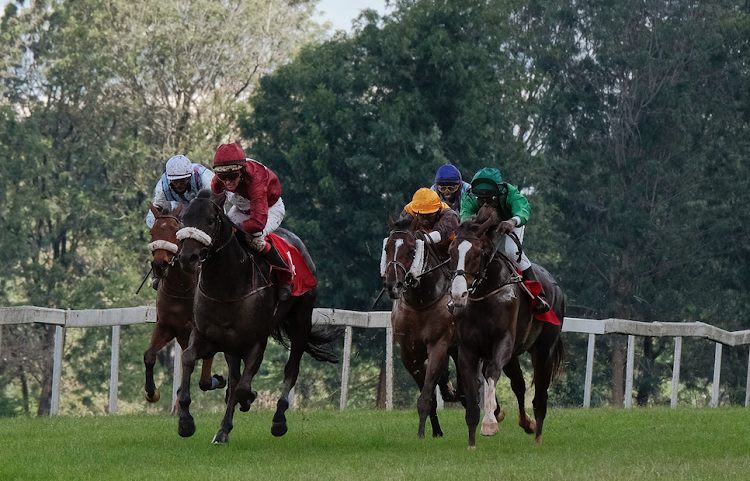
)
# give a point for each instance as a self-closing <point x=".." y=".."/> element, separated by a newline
<point x="496" y="255"/>
<point x="412" y="279"/>
<point x="161" y="244"/>
<point x="206" y="239"/>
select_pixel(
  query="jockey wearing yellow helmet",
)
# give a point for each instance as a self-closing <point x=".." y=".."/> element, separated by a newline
<point x="433" y="216"/>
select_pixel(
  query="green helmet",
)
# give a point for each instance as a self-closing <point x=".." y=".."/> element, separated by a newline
<point x="487" y="182"/>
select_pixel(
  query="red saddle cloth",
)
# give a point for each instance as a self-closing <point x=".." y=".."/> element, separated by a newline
<point x="535" y="288"/>
<point x="299" y="273"/>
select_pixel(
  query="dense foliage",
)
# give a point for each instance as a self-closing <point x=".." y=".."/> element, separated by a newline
<point x="624" y="121"/>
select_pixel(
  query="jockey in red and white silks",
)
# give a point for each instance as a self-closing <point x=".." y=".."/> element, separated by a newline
<point x="253" y="190"/>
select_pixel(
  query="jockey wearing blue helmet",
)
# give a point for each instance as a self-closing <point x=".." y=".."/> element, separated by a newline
<point x="450" y="186"/>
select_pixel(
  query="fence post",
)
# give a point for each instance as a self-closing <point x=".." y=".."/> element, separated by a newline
<point x="676" y="370"/>
<point x="345" y="366"/>
<point x="176" y="374"/>
<point x="717" y="374"/>
<point x="589" y="371"/>
<point x="56" y="371"/>
<point x="388" y="368"/>
<point x="114" y="370"/>
<point x="629" y="372"/>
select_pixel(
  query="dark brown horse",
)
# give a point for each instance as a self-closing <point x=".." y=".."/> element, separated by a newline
<point x="236" y="310"/>
<point x="418" y="280"/>
<point x="495" y="325"/>
<point x="174" y="300"/>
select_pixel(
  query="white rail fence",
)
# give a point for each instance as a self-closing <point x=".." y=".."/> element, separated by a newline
<point x="115" y="318"/>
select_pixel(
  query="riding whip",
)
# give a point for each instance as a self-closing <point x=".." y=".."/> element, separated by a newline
<point x="144" y="280"/>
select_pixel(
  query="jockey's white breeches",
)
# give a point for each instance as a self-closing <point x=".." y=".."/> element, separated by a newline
<point x="511" y="250"/>
<point x="275" y="216"/>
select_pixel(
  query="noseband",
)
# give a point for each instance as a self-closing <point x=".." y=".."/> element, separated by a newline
<point x="204" y="238"/>
<point x="161" y="244"/>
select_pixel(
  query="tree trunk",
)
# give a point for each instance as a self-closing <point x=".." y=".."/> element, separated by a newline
<point x="24" y="390"/>
<point x="647" y="380"/>
<point x="619" y="353"/>
<point x="380" y="401"/>
<point x="45" y="398"/>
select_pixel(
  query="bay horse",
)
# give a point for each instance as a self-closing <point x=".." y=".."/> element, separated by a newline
<point x="417" y="281"/>
<point x="174" y="300"/>
<point x="495" y="325"/>
<point x="236" y="309"/>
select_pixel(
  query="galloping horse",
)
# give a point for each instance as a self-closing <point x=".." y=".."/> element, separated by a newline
<point x="174" y="301"/>
<point x="236" y="310"/>
<point x="495" y="325"/>
<point x="418" y="283"/>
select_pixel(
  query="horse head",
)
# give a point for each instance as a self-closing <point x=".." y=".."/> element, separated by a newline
<point x="403" y="257"/>
<point x="467" y="253"/>
<point x="164" y="243"/>
<point x="206" y="229"/>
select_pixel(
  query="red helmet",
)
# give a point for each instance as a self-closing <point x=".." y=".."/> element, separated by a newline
<point x="229" y="157"/>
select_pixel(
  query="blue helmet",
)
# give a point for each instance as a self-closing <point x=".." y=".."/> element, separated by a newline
<point x="448" y="174"/>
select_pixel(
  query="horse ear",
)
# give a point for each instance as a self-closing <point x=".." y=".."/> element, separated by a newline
<point x="389" y="222"/>
<point x="154" y="210"/>
<point x="177" y="210"/>
<point x="414" y="224"/>
<point x="219" y="198"/>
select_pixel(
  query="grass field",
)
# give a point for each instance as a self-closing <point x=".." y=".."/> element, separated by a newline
<point x="595" y="444"/>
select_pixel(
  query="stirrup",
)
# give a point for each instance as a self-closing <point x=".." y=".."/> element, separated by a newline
<point x="541" y="306"/>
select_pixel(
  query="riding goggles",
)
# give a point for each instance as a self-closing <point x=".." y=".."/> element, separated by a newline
<point x="227" y="175"/>
<point x="448" y="189"/>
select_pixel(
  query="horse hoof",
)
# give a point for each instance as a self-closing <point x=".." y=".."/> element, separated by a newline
<point x="186" y="428"/>
<point x="154" y="397"/>
<point x="531" y="427"/>
<point x="472" y="448"/>
<point x="279" y="429"/>
<point x="500" y="416"/>
<point x="220" y="438"/>
<point x="489" y="429"/>
<point x="438" y="434"/>
<point x="538" y="439"/>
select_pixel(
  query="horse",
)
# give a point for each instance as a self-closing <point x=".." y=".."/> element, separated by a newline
<point x="236" y="309"/>
<point x="174" y="301"/>
<point x="417" y="281"/>
<point x="495" y="325"/>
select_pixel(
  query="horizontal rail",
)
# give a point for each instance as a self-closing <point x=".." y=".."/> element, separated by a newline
<point x="377" y="319"/>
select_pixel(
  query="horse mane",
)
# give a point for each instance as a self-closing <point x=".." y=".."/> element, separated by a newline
<point x="403" y="223"/>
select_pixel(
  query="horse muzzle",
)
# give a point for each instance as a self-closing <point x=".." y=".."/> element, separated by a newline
<point x="459" y="291"/>
<point x="160" y="268"/>
<point x="395" y="289"/>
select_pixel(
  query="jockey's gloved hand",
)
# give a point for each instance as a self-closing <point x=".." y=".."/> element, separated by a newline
<point x="258" y="243"/>
<point x="506" y="227"/>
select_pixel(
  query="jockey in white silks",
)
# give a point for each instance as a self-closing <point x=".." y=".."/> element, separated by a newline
<point x="179" y="184"/>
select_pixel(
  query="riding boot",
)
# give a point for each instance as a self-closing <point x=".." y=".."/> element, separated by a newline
<point x="542" y="305"/>
<point x="155" y="284"/>
<point x="273" y="257"/>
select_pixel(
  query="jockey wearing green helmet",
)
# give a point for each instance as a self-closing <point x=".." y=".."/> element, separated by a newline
<point x="512" y="207"/>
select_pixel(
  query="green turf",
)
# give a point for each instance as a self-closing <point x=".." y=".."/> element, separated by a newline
<point x="595" y="444"/>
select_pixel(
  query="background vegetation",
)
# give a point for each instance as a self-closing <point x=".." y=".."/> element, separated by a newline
<point x="624" y="121"/>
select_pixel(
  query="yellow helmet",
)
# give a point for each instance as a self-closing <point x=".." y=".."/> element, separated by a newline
<point x="425" y="201"/>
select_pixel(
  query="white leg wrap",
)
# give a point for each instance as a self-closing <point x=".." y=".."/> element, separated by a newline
<point x="489" y="423"/>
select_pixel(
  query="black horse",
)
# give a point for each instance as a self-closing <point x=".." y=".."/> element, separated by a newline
<point x="236" y="310"/>
<point x="495" y="325"/>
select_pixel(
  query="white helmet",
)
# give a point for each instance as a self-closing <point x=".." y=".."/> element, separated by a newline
<point x="179" y="167"/>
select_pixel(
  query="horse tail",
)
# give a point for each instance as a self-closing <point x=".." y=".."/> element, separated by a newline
<point x="320" y="336"/>
<point x="557" y="360"/>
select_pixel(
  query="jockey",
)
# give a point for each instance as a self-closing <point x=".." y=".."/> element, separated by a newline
<point x="433" y="216"/>
<point x="487" y="187"/>
<point x="255" y="193"/>
<point x="450" y="186"/>
<point x="179" y="184"/>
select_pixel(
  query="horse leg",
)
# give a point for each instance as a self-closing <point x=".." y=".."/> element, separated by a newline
<point x="159" y="339"/>
<point x="415" y="366"/>
<point x="468" y="364"/>
<point x="501" y="355"/>
<point x="459" y="393"/>
<point x="541" y="359"/>
<point x="244" y="393"/>
<point x="437" y="364"/>
<point x="222" y="436"/>
<point x="517" y="383"/>
<point x="207" y="381"/>
<point x="291" y="371"/>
